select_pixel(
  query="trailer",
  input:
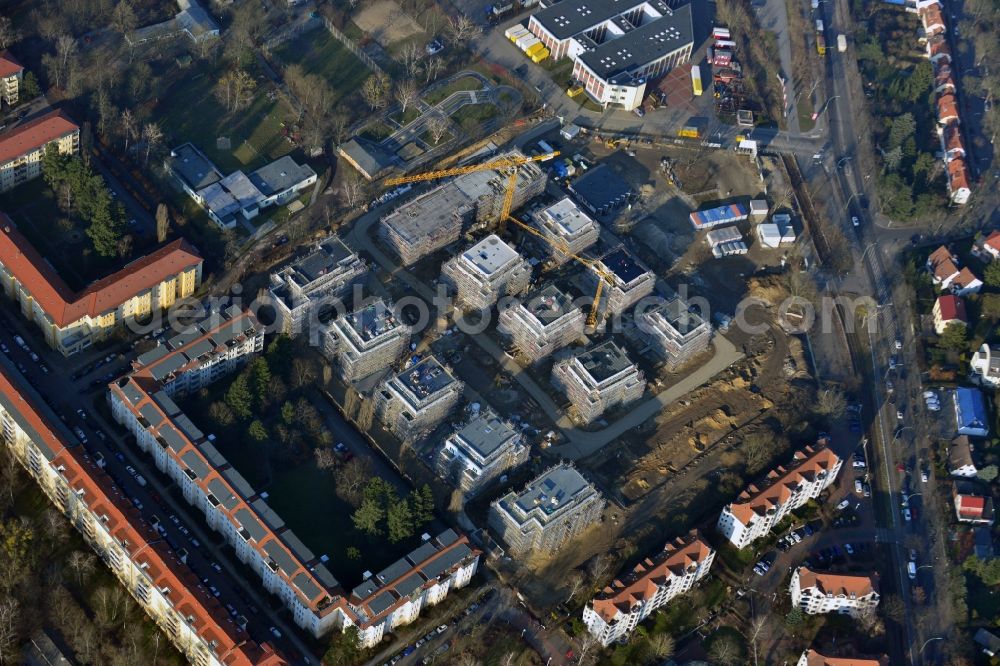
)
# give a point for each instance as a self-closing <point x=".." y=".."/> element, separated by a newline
<point x="725" y="44"/>
<point x="820" y="44"/>
<point x="539" y="56"/>
<point x="534" y="49"/>
<point x="525" y="41"/>
<point x="696" y="80"/>
<point x="715" y="217"/>
<point x="842" y="43"/>
<point x="690" y="132"/>
<point x="721" y="33"/>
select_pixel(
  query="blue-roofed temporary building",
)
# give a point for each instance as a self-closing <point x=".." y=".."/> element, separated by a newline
<point x="970" y="413"/>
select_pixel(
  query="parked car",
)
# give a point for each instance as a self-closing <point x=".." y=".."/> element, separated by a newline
<point x="907" y="516"/>
<point x="924" y="478"/>
<point x="858" y="488"/>
<point x="849" y="548"/>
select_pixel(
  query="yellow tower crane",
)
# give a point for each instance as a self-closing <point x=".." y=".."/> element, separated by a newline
<point x="492" y="165"/>
<point x="508" y="202"/>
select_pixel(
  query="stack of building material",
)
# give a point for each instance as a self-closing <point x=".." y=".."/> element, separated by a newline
<point x="726" y="241"/>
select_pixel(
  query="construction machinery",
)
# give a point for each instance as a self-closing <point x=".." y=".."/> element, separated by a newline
<point x="557" y="243"/>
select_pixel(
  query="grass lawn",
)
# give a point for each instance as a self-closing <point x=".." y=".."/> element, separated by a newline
<point x="376" y="131"/>
<point x="34" y="209"/>
<point x="189" y="112"/>
<point x="805" y="110"/>
<point x="412" y="113"/>
<point x="442" y="93"/>
<point x="471" y="115"/>
<point x="319" y="53"/>
<point x="429" y="140"/>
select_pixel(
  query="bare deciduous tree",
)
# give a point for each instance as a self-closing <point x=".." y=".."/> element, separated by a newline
<point x="352" y="190"/>
<point x="129" y="127"/>
<point x="10" y="617"/>
<point x="410" y="58"/>
<point x="8" y="33"/>
<point x="324" y="458"/>
<point x="432" y="68"/>
<point x="375" y="91"/>
<point x="152" y="136"/>
<point x="123" y="18"/>
<point x="162" y="222"/>
<point x="462" y="28"/>
<point x="724" y="651"/>
<point x="406" y="94"/>
<point x="437" y="125"/>
<point x="82" y="564"/>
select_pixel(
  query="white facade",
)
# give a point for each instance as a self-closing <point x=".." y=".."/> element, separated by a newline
<point x="615" y="613"/>
<point x="572" y="231"/>
<point x="366" y="341"/>
<point x="598" y="379"/>
<point x="542" y="323"/>
<point x="418" y="399"/>
<point x="480" y="452"/>
<point x="757" y="510"/>
<point x="817" y="593"/>
<point x="985" y="365"/>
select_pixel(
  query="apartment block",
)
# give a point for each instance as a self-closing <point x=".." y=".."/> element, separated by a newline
<point x="192" y="620"/>
<point x="311" y="285"/>
<point x="629" y="280"/>
<point x="615" y="613"/>
<point x="673" y="332"/>
<point x="73" y="321"/>
<point x="814" y="658"/>
<point x="598" y="379"/>
<point x="617" y="46"/>
<point x="761" y="506"/>
<point x="318" y="603"/>
<point x="816" y="592"/>
<point x="542" y="322"/>
<point x="485" y="272"/>
<point x="436" y="219"/>
<point x="219" y="343"/>
<point x="21" y="148"/>
<point x="570" y="229"/>
<point x="11" y="73"/>
<point x="555" y="507"/>
<point x="479" y="452"/>
<point x="366" y="341"/>
<point x="418" y="399"/>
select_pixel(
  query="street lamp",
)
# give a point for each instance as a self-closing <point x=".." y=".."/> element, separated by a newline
<point x="817" y="114"/>
<point x="845" y="158"/>
<point x="929" y="640"/>
<point x="896" y="436"/>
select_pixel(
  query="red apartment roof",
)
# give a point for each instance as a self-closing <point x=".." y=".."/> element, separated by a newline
<point x="951" y="308"/>
<point x="971" y="505"/>
<point x="233" y="646"/>
<point x="9" y="65"/>
<point x="837" y="584"/>
<point x="814" y="658"/>
<point x="946" y="107"/>
<point x="642" y="581"/>
<point x="65" y="307"/>
<point x="806" y="464"/>
<point x="35" y="134"/>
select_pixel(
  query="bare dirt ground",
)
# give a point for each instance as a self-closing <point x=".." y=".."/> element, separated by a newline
<point x="386" y="22"/>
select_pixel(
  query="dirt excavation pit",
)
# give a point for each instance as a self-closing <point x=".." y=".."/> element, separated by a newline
<point x="386" y="23"/>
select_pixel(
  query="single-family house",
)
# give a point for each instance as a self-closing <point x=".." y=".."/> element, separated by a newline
<point x="975" y="509"/>
<point x="942" y="266"/>
<point x="948" y="309"/>
<point x="988" y="641"/>
<point x="966" y="283"/>
<point x="985" y="365"/>
<point x="991" y="245"/>
<point x="960" y="461"/>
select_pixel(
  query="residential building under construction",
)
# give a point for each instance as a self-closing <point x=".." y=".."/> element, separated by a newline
<point x="572" y="231"/>
<point x="485" y="272"/>
<point x="304" y="289"/>
<point x="598" y="379"/>
<point x="418" y="399"/>
<point x="436" y="219"/>
<point x="552" y="509"/>
<point x="630" y="280"/>
<point x="673" y="332"/>
<point x="479" y="452"/>
<point x="542" y="323"/>
<point x="366" y="341"/>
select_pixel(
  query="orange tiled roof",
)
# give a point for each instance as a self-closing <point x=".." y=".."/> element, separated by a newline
<point x="958" y="174"/>
<point x="946" y="107"/>
<point x="993" y="241"/>
<point x="814" y="658"/>
<point x="837" y="584"/>
<point x="941" y="263"/>
<point x="65" y="307"/>
<point x="938" y="46"/>
<point x="806" y="464"/>
<point x="233" y="646"/>
<point x="953" y="139"/>
<point x="8" y="64"/>
<point x="971" y="505"/>
<point x="642" y="581"/>
<point x="932" y="19"/>
<point x="35" y="134"/>
<point x="964" y="279"/>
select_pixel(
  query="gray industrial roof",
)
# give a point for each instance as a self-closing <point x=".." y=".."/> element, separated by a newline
<point x="188" y="427"/>
<point x="365" y="589"/>
<point x="193" y="167"/>
<point x="212" y="454"/>
<point x="408" y="585"/>
<point x="236" y="480"/>
<point x="369" y="157"/>
<point x="324" y="576"/>
<point x="420" y="554"/>
<point x="382" y="602"/>
<point x="168" y="365"/>
<point x="223" y="494"/>
<point x="154" y="354"/>
<point x="604" y="360"/>
<point x="446" y="538"/>
<point x="269" y="515"/>
<point x="445" y="561"/>
<point x="306" y="585"/>
<point x="641" y="46"/>
<point x="486" y="434"/>
<point x="393" y="571"/>
<point x="166" y="403"/>
<point x="280" y="175"/>
<point x="151" y="414"/>
<point x="132" y="392"/>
